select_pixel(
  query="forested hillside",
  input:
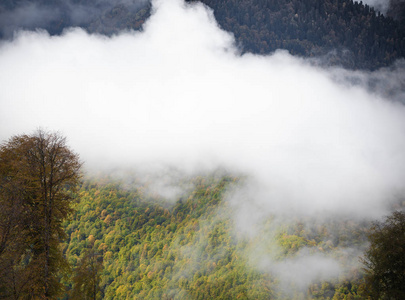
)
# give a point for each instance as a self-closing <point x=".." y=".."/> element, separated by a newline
<point x="346" y="32"/>
<point x="203" y="171"/>
<point x="168" y="235"/>
<point x="148" y="248"/>
<point x="340" y="32"/>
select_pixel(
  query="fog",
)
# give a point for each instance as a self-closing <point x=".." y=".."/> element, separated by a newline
<point x="29" y="15"/>
<point x="311" y="141"/>
<point x="379" y="5"/>
<point x="55" y="15"/>
<point x="302" y="270"/>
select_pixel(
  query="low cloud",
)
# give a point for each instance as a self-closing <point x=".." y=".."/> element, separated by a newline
<point x="28" y="15"/>
<point x="311" y="141"/>
<point x="388" y="83"/>
<point x="303" y="270"/>
<point x="55" y="16"/>
<point x="179" y="93"/>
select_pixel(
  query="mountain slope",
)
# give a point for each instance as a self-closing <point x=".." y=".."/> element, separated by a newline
<point x="189" y="249"/>
<point x="342" y="32"/>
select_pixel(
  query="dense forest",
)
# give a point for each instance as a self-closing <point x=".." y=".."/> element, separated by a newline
<point x="72" y="233"/>
<point x="348" y="33"/>
<point x="119" y="236"/>
<point x="153" y="249"/>
<point x="336" y="32"/>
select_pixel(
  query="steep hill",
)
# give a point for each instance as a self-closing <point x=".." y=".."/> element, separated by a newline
<point x="341" y="32"/>
<point x="148" y="248"/>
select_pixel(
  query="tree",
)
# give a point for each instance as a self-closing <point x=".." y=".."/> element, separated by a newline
<point x="39" y="175"/>
<point x="13" y="233"/>
<point x="385" y="258"/>
<point x="86" y="282"/>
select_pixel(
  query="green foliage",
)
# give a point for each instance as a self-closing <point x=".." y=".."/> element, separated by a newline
<point x="86" y="282"/>
<point x="188" y="249"/>
<point x="155" y="251"/>
<point x="385" y="258"/>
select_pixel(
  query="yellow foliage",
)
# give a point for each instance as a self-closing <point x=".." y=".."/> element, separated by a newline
<point x="103" y="247"/>
<point x="91" y="238"/>
<point x="108" y="220"/>
<point x="108" y="255"/>
<point x="150" y="274"/>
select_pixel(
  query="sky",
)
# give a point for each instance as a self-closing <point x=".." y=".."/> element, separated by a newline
<point x="312" y="141"/>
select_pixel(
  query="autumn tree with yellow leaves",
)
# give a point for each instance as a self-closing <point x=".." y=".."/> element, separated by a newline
<point x="39" y="174"/>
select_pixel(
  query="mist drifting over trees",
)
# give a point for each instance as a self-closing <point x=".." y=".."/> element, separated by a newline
<point x="355" y="35"/>
<point x="216" y="169"/>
